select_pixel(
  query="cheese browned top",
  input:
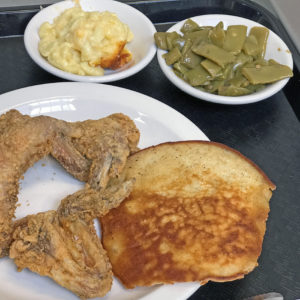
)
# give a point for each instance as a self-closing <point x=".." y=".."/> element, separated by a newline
<point x="197" y="212"/>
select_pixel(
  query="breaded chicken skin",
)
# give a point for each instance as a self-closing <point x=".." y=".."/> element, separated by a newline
<point x="63" y="244"/>
<point x="92" y="151"/>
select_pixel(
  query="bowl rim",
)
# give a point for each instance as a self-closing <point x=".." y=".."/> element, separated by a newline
<point x="121" y="74"/>
<point x="267" y="92"/>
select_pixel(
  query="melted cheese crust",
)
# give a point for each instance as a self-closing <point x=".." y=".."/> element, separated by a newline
<point x="84" y="43"/>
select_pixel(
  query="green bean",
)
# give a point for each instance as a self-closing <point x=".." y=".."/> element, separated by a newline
<point x="235" y="38"/>
<point x="172" y="56"/>
<point x="261" y="34"/>
<point x="189" y="26"/>
<point x="267" y="74"/>
<point x="186" y="47"/>
<point x="179" y="74"/>
<point x="242" y="59"/>
<point x="178" y="42"/>
<point x="239" y="81"/>
<point x="170" y="37"/>
<point x="180" y="67"/>
<point x="250" y="46"/>
<point x="213" y="69"/>
<point x="197" y="36"/>
<point x="233" y="91"/>
<point x="217" y="35"/>
<point x="189" y="59"/>
<point x="160" y="40"/>
<point x="260" y="62"/>
<point x="272" y="62"/>
<point x="197" y="76"/>
<point x="214" y="86"/>
<point x="228" y="72"/>
<point x="214" y="53"/>
<point x="255" y="87"/>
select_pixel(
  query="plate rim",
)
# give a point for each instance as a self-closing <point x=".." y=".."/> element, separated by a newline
<point x="52" y="88"/>
<point x="246" y="99"/>
<point x="18" y="97"/>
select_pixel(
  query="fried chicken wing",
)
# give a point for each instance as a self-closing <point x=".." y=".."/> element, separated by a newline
<point x="115" y="136"/>
<point x="63" y="244"/>
<point x="19" y="149"/>
<point x="91" y="151"/>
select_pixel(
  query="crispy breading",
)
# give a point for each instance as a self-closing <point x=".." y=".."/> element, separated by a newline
<point x="197" y="212"/>
<point x="92" y="151"/>
<point x="63" y="244"/>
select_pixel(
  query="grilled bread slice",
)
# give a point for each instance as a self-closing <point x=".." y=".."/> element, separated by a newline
<point x="197" y="212"/>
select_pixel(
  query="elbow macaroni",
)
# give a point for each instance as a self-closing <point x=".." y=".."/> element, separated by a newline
<point x="84" y="43"/>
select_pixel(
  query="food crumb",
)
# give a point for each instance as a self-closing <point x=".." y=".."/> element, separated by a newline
<point x="288" y="51"/>
<point x="43" y="164"/>
<point x="27" y="204"/>
<point x="18" y="205"/>
<point x="279" y="49"/>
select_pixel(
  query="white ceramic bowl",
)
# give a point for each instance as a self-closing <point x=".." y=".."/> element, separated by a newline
<point x="276" y="49"/>
<point x="142" y="46"/>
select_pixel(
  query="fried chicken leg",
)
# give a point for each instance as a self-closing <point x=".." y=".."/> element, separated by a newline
<point x="63" y="244"/>
<point x="92" y="151"/>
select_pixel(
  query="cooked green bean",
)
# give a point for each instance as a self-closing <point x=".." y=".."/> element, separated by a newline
<point x="190" y="59"/>
<point x="250" y="46"/>
<point x="214" y="53"/>
<point x="161" y="40"/>
<point x="217" y="35"/>
<point x="213" y="69"/>
<point x="224" y="62"/>
<point x="189" y="26"/>
<point x="235" y="38"/>
<point x="228" y="72"/>
<point x="186" y="47"/>
<point x="261" y="34"/>
<point x="233" y="91"/>
<point x="172" y="56"/>
<point x="178" y="42"/>
<point x="198" y="36"/>
<point x="239" y="81"/>
<point x="267" y="74"/>
<point x="180" y="67"/>
<point x="213" y="86"/>
<point x="197" y="76"/>
<point x="242" y="59"/>
<point x="170" y="37"/>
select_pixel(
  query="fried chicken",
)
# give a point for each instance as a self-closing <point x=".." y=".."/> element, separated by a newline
<point x="115" y="136"/>
<point x="63" y="244"/>
<point x="92" y="151"/>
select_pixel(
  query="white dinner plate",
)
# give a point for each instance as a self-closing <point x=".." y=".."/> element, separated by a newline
<point x="46" y="183"/>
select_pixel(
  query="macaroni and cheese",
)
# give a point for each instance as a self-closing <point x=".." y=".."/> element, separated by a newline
<point x="84" y="43"/>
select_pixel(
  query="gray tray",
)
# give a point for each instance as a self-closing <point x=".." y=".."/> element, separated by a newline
<point x="267" y="132"/>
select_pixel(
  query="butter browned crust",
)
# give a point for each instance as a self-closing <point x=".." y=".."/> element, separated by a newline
<point x="197" y="212"/>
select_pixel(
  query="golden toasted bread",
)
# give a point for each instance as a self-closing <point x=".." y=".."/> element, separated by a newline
<point x="197" y="212"/>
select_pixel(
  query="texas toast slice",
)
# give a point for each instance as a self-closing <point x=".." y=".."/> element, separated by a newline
<point x="197" y="212"/>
